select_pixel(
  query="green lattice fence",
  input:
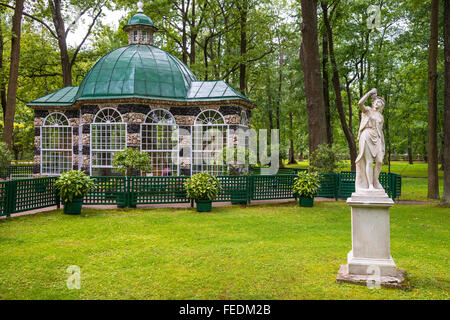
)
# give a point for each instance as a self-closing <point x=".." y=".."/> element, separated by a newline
<point x="271" y="187"/>
<point x="17" y="172"/>
<point x="3" y="198"/>
<point x="154" y="190"/>
<point x="108" y="190"/>
<point x="346" y="185"/>
<point x="395" y="181"/>
<point x="31" y="194"/>
<point x="329" y="185"/>
<point x="290" y="170"/>
<point x="233" y="188"/>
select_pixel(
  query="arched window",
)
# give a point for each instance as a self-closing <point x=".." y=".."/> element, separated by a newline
<point x="56" y="144"/>
<point x="159" y="137"/>
<point x="209" y="117"/>
<point x="108" y="135"/>
<point x="209" y="137"/>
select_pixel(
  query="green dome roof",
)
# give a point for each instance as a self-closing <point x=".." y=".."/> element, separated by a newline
<point x="137" y="71"/>
<point x="140" y="19"/>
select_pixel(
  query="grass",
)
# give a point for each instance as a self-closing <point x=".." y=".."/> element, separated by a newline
<point x="277" y="251"/>
<point x="414" y="178"/>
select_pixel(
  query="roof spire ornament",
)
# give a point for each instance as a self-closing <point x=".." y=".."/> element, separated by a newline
<point x="140" y="6"/>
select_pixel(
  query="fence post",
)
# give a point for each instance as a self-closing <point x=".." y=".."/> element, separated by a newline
<point x="11" y="194"/>
<point x="249" y="188"/>
<point x="128" y="192"/>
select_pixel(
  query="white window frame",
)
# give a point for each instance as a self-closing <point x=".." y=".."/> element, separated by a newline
<point x="169" y="155"/>
<point x="197" y="147"/>
<point x="105" y="128"/>
<point x="60" y="154"/>
<point x="144" y="36"/>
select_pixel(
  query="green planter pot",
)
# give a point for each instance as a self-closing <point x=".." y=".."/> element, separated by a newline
<point x="204" y="205"/>
<point x="73" y="207"/>
<point x="306" y="202"/>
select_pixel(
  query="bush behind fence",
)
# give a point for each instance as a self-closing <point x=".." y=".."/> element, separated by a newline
<point x="30" y="194"/>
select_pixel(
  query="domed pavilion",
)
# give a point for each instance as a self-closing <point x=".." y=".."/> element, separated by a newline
<point x="142" y="97"/>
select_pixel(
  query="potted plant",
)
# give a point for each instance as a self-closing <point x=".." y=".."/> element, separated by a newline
<point x="305" y="187"/>
<point x="72" y="186"/>
<point x="129" y="161"/>
<point x="203" y="188"/>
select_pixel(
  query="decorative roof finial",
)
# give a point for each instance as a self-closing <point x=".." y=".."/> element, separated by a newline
<point x="140" y="5"/>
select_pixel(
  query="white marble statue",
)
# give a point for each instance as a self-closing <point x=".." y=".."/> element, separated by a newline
<point x="371" y="144"/>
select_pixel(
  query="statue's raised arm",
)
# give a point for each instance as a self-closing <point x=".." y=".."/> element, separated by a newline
<point x="363" y="100"/>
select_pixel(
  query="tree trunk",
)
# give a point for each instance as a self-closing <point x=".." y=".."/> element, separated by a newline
<point x="183" y="35"/>
<point x="326" y="93"/>
<point x="446" y="163"/>
<point x="433" y="182"/>
<point x="410" y="156"/>
<point x="349" y="102"/>
<point x="337" y="90"/>
<point x="193" y="35"/>
<point x="3" y="84"/>
<point x="242" y="65"/>
<point x="310" y="61"/>
<point x="291" y="140"/>
<point x="13" y="74"/>
<point x="58" y="21"/>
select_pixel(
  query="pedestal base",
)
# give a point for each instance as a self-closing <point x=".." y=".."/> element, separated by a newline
<point x="399" y="281"/>
<point x="370" y="261"/>
<point x="369" y="266"/>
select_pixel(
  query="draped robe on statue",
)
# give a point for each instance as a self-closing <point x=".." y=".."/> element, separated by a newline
<point x="371" y="139"/>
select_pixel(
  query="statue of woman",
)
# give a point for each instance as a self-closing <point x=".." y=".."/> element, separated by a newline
<point x="371" y="143"/>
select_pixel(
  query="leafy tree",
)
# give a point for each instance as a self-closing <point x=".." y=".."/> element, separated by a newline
<point x="5" y="155"/>
<point x="130" y="160"/>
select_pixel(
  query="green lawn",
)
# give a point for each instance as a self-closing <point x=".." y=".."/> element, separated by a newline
<point x="277" y="251"/>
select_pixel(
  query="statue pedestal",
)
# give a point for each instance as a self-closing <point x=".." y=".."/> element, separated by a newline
<point x="370" y="258"/>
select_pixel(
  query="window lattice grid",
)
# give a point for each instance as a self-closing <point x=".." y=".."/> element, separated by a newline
<point x="160" y="116"/>
<point x="209" y="117"/>
<point x="56" y="162"/>
<point x="56" y="119"/>
<point x="56" y="147"/>
<point x="161" y="143"/>
<point x="108" y="115"/>
<point x="208" y="143"/>
<point x="106" y="139"/>
<point x="56" y="138"/>
<point x="208" y="161"/>
<point x="102" y="159"/>
<point x="108" y="136"/>
<point x="164" y="163"/>
<point x="159" y="137"/>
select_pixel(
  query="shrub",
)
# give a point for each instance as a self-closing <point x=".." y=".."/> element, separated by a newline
<point x="5" y="156"/>
<point x="306" y="184"/>
<point x="131" y="159"/>
<point x="73" y="184"/>
<point x="202" y="186"/>
<point x="326" y="159"/>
